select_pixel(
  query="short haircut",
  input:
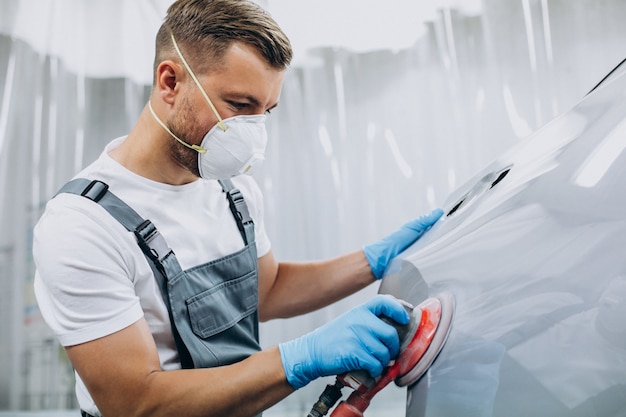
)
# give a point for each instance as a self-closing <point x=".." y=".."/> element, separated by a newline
<point x="205" y="29"/>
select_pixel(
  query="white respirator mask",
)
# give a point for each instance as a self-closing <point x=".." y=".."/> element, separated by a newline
<point x="232" y="146"/>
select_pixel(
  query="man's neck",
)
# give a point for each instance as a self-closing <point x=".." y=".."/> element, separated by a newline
<point x="145" y="152"/>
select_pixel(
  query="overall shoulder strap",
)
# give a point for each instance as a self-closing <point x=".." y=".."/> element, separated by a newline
<point x="160" y="257"/>
<point x="239" y="208"/>
<point x="152" y="243"/>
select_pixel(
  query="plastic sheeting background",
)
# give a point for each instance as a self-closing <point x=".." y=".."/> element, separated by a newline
<point x="361" y="142"/>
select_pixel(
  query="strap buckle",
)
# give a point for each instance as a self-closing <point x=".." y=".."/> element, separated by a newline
<point x="239" y="207"/>
<point x="95" y="190"/>
<point x="152" y="242"/>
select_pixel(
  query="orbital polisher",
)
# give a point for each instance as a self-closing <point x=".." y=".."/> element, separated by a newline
<point x="421" y="340"/>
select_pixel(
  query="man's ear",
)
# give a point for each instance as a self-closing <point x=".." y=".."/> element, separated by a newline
<point x="168" y="77"/>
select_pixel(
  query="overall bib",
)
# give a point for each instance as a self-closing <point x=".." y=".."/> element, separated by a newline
<point x="213" y="306"/>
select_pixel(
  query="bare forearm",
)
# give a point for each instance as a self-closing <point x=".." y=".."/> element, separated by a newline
<point x="243" y="389"/>
<point x="123" y="375"/>
<point x="303" y="287"/>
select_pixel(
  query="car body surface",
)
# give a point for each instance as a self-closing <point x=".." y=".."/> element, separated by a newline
<point x="533" y="250"/>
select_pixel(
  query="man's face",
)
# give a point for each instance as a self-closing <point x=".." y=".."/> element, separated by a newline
<point x="243" y="85"/>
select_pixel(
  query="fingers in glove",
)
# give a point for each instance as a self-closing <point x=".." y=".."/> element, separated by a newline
<point x="388" y="306"/>
<point x="423" y="223"/>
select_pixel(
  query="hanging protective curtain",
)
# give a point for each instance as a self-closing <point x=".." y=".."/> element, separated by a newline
<point x="73" y="74"/>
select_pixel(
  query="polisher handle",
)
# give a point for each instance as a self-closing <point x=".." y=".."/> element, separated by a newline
<point x="358" y="401"/>
<point x="360" y="380"/>
<point x="345" y="409"/>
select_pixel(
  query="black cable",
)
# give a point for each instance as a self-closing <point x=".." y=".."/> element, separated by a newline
<point x="327" y="400"/>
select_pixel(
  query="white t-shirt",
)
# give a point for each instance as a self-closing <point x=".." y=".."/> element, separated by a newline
<point x="92" y="278"/>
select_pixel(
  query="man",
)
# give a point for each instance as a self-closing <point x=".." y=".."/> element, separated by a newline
<point x="147" y="265"/>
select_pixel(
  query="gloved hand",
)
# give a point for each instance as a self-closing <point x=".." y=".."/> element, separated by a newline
<point x="380" y="253"/>
<point x="356" y="340"/>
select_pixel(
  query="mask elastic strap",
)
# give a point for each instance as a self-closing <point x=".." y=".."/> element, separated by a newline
<point x="220" y="122"/>
<point x="196" y="148"/>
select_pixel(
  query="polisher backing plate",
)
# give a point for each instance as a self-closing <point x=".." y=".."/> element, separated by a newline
<point x="446" y="301"/>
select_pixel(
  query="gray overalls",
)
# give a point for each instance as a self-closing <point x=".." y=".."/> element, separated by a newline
<point x="212" y="307"/>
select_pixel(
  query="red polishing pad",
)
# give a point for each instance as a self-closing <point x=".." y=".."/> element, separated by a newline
<point x="431" y="335"/>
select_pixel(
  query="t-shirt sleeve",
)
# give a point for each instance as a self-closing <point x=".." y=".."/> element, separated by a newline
<point x="84" y="278"/>
<point x="254" y="199"/>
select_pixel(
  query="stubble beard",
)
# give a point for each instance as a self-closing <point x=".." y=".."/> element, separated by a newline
<point x="180" y="126"/>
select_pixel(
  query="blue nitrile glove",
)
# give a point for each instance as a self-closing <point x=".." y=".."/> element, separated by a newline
<point x="356" y="340"/>
<point x="380" y="253"/>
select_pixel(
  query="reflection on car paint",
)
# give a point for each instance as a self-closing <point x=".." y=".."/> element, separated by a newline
<point x="533" y="249"/>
